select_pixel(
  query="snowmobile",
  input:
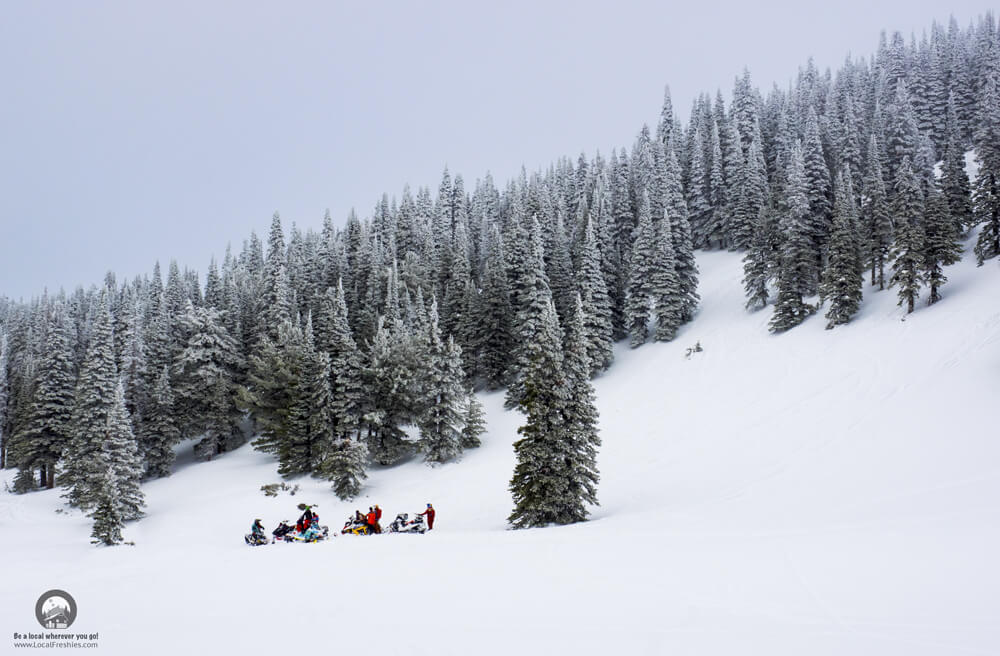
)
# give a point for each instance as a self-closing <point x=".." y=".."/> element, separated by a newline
<point x="403" y="524"/>
<point x="255" y="539"/>
<point x="314" y="533"/>
<point x="287" y="532"/>
<point x="284" y="528"/>
<point x="355" y="526"/>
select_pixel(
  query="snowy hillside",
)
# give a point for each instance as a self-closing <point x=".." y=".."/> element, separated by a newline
<point x="818" y="492"/>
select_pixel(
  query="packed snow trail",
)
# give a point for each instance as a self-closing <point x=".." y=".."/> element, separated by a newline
<point x="817" y="492"/>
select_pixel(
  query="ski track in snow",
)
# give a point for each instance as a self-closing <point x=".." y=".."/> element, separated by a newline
<point x="817" y="492"/>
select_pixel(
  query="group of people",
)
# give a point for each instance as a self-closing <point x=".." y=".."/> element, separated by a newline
<point x="309" y="521"/>
<point x="374" y="515"/>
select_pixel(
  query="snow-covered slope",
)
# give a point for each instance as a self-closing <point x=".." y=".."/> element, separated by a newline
<point x="818" y="492"/>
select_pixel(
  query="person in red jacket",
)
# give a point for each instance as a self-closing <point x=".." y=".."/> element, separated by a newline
<point x="430" y="516"/>
<point x="370" y="519"/>
<point x="378" y="519"/>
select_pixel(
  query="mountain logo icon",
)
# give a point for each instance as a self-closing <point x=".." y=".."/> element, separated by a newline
<point x="56" y="609"/>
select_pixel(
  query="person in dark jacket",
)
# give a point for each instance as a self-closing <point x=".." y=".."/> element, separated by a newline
<point x="430" y="516"/>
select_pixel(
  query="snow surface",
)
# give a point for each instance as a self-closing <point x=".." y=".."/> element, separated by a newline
<point x="818" y="492"/>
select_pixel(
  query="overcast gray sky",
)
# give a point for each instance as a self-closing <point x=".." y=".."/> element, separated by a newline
<point x="137" y="131"/>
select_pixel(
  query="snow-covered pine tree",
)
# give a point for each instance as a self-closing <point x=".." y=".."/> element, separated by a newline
<point x="276" y="299"/>
<point x="540" y="485"/>
<point x="954" y="179"/>
<point x="310" y="418"/>
<point x="908" y="249"/>
<point x="638" y="304"/>
<point x="763" y="259"/>
<point x="596" y="302"/>
<point x="698" y="192"/>
<point x="45" y="433"/>
<point x="124" y="466"/>
<point x="798" y="256"/>
<point x="580" y="423"/>
<point x="875" y="217"/>
<point x="680" y="229"/>
<point x="387" y="383"/>
<point x="843" y="276"/>
<point x="207" y="364"/>
<point x="334" y="337"/>
<point x="531" y="296"/>
<point x="93" y="405"/>
<point x="986" y="200"/>
<point x="344" y="465"/>
<point x="4" y="394"/>
<point x="159" y="429"/>
<point x="942" y="243"/>
<point x="818" y="189"/>
<point x="107" y="514"/>
<point x="494" y="315"/>
<point x="440" y="417"/>
<point x="474" y="424"/>
<point x="666" y="285"/>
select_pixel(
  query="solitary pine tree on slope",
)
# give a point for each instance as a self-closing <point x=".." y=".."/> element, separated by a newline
<point x="541" y="482"/>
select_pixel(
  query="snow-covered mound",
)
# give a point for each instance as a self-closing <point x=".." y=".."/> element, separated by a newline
<point x="818" y="492"/>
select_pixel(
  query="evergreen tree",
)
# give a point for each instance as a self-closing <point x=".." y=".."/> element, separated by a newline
<point x="46" y="431"/>
<point x="666" y="285"/>
<point x="542" y="477"/>
<point x="762" y="261"/>
<point x="580" y="423"/>
<point x="345" y="363"/>
<point x="954" y="179"/>
<point x="640" y="282"/>
<point x="159" y="429"/>
<point x="344" y="465"/>
<point x="531" y="296"/>
<point x="494" y="315"/>
<point x="107" y="514"/>
<point x="942" y="245"/>
<point x="474" y="425"/>
<point x="207" y="364"/>
<point x="680" y="229"/>
<point x="986" y="201"/>
<point x="818" y="188"/>
<point x="843" y="277"/>
<point x="908" y="250"/>
<point x="596" y="303"/>
<point x="798" y="260"/>
<point x="4" y="394"/>
<point x="387" y="383"/>
<point x="276" y="296"/>
<point x="441" y="415"/>
<point x="93" y="407"/>
<point x="124" y="466"/>
<point x="875" y="216"/>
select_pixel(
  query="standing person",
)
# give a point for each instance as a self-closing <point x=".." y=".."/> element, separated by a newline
<point x="430" y="516"/>
<point x="371" y="519"/>
<point x="378" y="519"/>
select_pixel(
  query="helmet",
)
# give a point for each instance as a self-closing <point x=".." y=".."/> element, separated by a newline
<point x="428" y="505"/>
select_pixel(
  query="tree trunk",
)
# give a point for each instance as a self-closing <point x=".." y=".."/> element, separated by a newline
<point x="51" y="482"/>
<point x="42" y="476"/>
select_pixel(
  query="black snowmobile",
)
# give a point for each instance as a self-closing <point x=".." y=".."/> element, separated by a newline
<point x="403" y="524"/>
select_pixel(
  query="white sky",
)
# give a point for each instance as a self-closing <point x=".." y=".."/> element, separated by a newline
<point x="131" y="132"/>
